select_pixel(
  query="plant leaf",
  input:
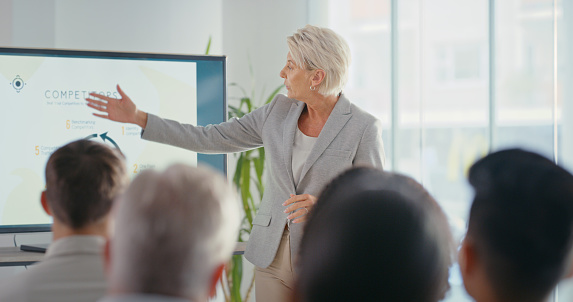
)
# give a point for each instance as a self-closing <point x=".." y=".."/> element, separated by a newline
<point x="243" y="178"/>
<point x="234" y="112"/>
<point x="208" y="46"/>
<point x="237" y="277"/>
<point x="246" y="188"/>
<point x="237" y="176"/>
<point x="248" y="102"/>
<point x="240" y="87"/>
<point x="274" y="93"/>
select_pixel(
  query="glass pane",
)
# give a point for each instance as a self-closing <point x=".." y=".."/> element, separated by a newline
<point x="365" y="24"/>
<point x="455" y="106"/>
<point x="564" y="16"/>
<point x="408" y="157"/>
<point x="565" y="292"/>
<point x="443" y="114"/>
<point x="565" y="78"/>
<point x="524" y="75"/>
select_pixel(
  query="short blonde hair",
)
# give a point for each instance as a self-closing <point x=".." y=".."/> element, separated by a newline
<point x="313" y="48"/>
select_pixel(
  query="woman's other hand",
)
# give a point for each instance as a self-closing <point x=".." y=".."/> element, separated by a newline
<point x="121" y="110"/>
<point x="299" y="206"/>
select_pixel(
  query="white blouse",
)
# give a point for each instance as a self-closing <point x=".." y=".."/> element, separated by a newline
<point x="301" y="149"/>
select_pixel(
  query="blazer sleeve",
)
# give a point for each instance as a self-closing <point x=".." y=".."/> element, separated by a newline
<point x="235" y="135"/>
<point x="371" y="147"/>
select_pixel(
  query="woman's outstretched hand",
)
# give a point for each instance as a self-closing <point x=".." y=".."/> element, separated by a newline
<point x="121" y="110"/>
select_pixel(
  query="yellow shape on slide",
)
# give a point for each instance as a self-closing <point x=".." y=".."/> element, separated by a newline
<point x="23" y="203"/>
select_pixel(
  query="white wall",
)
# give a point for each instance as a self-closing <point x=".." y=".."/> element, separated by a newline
<point x="5" y="22"/>
<point x="170" y="26"/>
<point x="33" y="23"/>
<point x="239" y="29"/>
<point x="257" y="29"/>
<point x="174" y="26"/>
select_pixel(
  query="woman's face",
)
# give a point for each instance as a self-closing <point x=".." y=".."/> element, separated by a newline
<point x="297" y="80"/>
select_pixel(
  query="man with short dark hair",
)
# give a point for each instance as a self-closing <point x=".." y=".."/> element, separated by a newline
<point x="520" y="232"/>
<point x="82" y="180"/>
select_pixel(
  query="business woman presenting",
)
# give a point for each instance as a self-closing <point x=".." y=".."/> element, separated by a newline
<point x="310" y="136"/>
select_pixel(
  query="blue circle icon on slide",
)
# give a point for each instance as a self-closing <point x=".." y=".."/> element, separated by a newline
<point x="18" y="83"/>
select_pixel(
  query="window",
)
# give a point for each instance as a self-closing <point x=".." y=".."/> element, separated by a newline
<point x="457" y="91"/>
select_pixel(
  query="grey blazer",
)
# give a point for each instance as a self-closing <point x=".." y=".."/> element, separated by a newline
<point x="350" y="137"/>
<point x="72" y="270"/>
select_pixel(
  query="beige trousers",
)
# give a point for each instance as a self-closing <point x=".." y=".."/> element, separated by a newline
<point x="276" y="282"/>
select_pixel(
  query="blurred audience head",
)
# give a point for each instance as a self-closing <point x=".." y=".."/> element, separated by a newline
<point x="174" y="232"/>
<point x="374" y="236"/>
<point x="83" y="178"/>
<point x="520" y="230"/>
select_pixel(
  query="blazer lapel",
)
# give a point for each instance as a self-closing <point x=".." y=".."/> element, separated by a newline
<point x="290" y="125"/>
<point x="336" y="121"/>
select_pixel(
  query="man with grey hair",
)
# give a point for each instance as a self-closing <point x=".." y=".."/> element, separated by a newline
<point x="175" y="230"/>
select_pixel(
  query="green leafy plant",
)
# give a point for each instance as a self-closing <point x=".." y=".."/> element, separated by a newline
<point x="247" y="163"/>
<point x="208" y="46"/>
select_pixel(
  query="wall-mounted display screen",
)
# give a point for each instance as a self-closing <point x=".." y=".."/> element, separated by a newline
<point x="43" y="95"/>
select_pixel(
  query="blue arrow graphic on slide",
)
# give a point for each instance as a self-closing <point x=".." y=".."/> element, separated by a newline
<point x="104" y="137"/>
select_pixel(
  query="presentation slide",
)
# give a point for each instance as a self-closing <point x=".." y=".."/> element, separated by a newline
<point x="44" y="108"/>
